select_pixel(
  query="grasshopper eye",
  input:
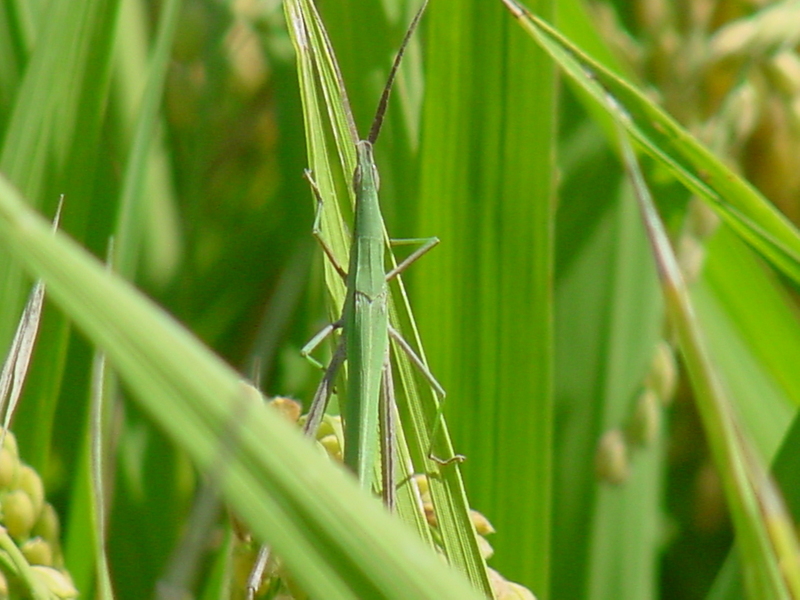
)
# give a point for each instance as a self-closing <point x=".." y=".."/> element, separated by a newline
<point x="357" y="177"/>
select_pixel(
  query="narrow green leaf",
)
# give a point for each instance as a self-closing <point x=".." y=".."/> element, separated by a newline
<point x="101" y="384"/>
<point x="742" y="207"/>
<point x="337" y="542"/>
<point x="754" y="350"/>
<point x="760" y="520"/>
<point x="134" y="204"/>
<point x="772" y="332"/>
<point x="483" y="298"/>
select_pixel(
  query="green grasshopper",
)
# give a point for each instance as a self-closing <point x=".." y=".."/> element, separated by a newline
<point x="365" y="325"/>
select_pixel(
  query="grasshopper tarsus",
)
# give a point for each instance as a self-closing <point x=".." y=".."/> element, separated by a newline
<point x="443" y="462"/>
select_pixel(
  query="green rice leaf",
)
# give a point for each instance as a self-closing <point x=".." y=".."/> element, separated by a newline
<point x="765" y="536"/>
<point x="743" y="208"/>
<point x="337" y="542"/>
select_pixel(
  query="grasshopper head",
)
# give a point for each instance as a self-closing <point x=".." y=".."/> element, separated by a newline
<point x="366" y="172"/>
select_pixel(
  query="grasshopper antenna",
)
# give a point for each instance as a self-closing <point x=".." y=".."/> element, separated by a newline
<point x="379" y="114"/>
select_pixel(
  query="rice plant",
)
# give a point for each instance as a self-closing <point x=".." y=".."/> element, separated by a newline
<point x="611" y="309"/>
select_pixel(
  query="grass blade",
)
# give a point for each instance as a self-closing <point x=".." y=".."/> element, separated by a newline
<point x="98" y="455"/>
<point x="762" y="524"/>
<point x="337" y="542"/>
<point x="134" y="205"/>
<point x="484" y="297"/>
<point x="742" y="207"/>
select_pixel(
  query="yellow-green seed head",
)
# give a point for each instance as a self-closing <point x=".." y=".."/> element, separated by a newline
<point x="38" y="552"/>
<point x="646" y="419"/>
<point x="289" y="408"/>
<point x="430" y="514"/>
<point x="331" y="436"/>
<point x="733" y="125"/>
<point x="755" y="35"/>
<point x="611" y="458"/>
<point x="784" y="71"/>
<point x="691" y="257"/>
<point x="325" y="428"/>
<point x="485" y="548"/>
<point x="519" y="592"/>
<point x="331" y="425"/>
<point x="663" y="375"/>
<point x="503" y="589"/>
<point x="31" y="484"/>
<point x="500" y="587"/>
<point x="9" y="469"/>
<point x="48" y="526"/>
<point x="58" y="582"/>
<point x="332" y="446"/>
<point x="422" y="485"/>
<point x="481" y="523"/>
<point x="10" y="444"/>
<point x="425" y="497"/>
<point x="18" y="514"/>
<point x="250" y="394"/>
